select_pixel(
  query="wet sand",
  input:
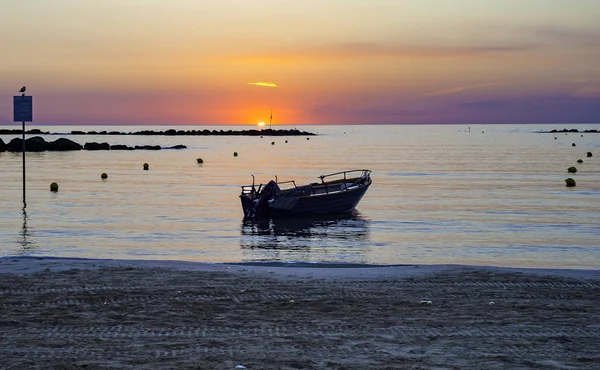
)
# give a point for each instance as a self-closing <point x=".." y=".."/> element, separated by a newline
<point x="75" y="313"/>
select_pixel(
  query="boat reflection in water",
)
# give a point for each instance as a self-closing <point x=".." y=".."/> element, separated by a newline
<point x="339" y="238"/>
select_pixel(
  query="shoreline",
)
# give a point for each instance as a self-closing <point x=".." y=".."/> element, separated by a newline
<point x="23" y="265"/>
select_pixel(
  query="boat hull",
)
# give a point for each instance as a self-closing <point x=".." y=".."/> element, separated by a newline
<point x="338" y="203"/>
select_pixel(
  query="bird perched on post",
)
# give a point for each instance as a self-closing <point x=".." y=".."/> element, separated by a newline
<point x="23" y="89"/>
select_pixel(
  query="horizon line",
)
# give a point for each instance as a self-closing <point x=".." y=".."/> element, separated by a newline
<point x="300" y="124"/>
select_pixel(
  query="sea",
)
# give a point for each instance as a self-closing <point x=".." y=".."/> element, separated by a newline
<point x="491" y="195"/>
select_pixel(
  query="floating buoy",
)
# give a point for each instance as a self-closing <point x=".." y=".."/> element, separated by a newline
<point x="572" y="169"/>
<point x="555" y="138"/>
<point x="199" y="160"/>
<point x="573" y="144"/>
<point x="589" y="154"/>
<point x="307" y="138"/>
<point x="104" y="175"/>
<point x="580" y="161"/>
<point x="272" y="143"/>
<point x="54" y="187"/>
<point x="235" y="154"/>
<point x="570" y="182"/>
<point x="286" y="141"/>
<point x="146" y="166"/>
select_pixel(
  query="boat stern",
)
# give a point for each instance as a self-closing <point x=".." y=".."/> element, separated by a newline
<point x="247" y="205"/>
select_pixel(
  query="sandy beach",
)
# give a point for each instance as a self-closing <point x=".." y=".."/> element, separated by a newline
<point x="83" y="313"/>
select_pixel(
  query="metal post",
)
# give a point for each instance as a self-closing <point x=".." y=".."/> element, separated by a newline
<point x="23" y="112"/>
<point x="24" y="202"/>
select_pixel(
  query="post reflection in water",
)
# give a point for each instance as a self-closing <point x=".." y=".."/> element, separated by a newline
<point x="24" y="237"/>
<point x="342" y="239"/>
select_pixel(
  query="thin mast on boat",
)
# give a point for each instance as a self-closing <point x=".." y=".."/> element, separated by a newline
<point x="271" y="118"/>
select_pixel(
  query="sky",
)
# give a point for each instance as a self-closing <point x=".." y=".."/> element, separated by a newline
<point x="311" y="61"/>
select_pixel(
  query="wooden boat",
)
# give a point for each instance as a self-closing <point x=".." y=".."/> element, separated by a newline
<point x="336" y="193"/>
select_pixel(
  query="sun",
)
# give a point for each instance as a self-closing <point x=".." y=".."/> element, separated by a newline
<point x="261" y="123"/>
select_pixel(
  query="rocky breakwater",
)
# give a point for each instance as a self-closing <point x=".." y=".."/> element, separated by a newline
<point x="39" y="144"/>
<point x="566" y="130"/>
<point x="172" y="132"/>
<point x="35" y="131"/>
<point x="205" y="132"/>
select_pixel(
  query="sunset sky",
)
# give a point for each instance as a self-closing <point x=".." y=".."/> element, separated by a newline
<point x="312" y="61"/>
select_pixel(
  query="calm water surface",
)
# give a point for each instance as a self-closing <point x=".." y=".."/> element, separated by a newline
<point x="491" y="195"/>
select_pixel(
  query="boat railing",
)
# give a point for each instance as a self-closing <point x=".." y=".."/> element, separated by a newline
<point x="287" y="182"/>
<point x="251" y="189"/>
<point x="348" y="174"/>
<point x="357" y="176"/>
<point x="248" y="189"/>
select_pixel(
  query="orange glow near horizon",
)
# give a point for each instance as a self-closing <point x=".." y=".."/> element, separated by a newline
<point x="259" y="112"/>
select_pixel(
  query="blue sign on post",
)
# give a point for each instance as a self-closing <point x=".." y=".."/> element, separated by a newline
<point x="23" y="108"/>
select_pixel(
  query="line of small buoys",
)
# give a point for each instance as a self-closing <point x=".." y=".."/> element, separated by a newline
<point x="570" y="181"/>
<point x="146" y="166"/>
